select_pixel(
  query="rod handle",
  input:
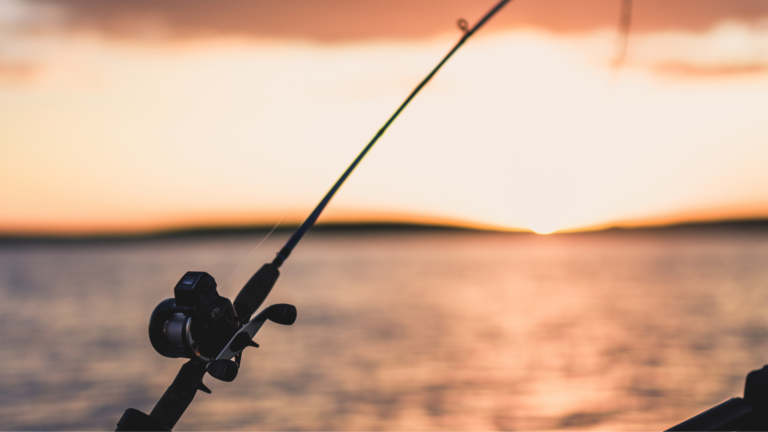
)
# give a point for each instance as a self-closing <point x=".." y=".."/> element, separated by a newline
<point x="135" y="420"/>
<point x="255" y="292"/>
<point x="180" y="393"/>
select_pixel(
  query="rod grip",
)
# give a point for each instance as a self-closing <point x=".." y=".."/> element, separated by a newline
<point x="179" y="394"/>
<point x="255" y="291"/>
<point x="135" y="420"/>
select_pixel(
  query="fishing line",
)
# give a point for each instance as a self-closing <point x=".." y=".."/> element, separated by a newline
<point x="312" y="218"/>
<point x="266" y="237"/>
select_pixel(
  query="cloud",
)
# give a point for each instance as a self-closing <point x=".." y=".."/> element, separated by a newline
<point x="729" y="50"/>
<point x="352" y="20"/>
<point x="692" y="70"/>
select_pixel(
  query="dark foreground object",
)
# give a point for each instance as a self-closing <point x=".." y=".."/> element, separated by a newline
<point x="736" y="414"/>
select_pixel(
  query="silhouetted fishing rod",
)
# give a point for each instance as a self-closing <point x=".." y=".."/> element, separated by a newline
<point x="211" y="331"/>
<point x="256" y="290"/>
<point x="307" y="224"/>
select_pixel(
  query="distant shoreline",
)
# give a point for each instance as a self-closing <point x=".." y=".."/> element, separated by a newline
<point x="200" y="232"/>
<point x="355" y="228"/>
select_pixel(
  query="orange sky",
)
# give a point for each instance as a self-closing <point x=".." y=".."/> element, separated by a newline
<point x="130" y="116"/>
<point x="353" y="20"/>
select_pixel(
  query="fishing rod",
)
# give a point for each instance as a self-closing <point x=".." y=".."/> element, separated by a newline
<point x="199" y="324"/>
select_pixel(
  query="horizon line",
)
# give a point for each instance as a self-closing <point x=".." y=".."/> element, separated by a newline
<point x="370" y="227"/>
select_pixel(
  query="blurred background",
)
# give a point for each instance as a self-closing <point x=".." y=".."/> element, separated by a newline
<point x="565" y="230"/>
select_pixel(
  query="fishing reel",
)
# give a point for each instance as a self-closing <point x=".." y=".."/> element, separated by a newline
<point x="200" y="324"/>
<point x="197" y="322"/>
<point x="211" y="331"/>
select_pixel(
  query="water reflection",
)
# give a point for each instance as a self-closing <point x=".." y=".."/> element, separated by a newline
<point x="400" y="331"/>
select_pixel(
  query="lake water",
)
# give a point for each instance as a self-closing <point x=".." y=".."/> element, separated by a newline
<point x="399" y="330"/>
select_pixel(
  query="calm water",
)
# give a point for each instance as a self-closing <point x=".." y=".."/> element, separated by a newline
<point x="399" y="331"/>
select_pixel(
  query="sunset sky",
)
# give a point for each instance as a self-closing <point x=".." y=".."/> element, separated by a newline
<point x="137" y="115"/>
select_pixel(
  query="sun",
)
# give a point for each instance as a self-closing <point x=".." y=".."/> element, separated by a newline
<point x="543" y="229"/>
